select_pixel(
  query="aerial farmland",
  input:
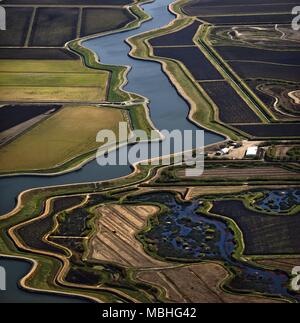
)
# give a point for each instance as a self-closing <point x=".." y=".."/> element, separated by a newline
<point x="87" y="84"/>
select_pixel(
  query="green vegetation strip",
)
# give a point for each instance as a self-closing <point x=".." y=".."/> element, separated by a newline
<point x="203" y="112"/>
<point x="238" y="84"/>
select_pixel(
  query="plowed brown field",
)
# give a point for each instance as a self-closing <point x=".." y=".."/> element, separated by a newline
<point x="196" y="284"/>
<point x="115" y="239"/>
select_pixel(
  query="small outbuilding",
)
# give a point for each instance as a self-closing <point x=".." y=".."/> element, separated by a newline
<point x="251" y="152"/>
<point x="225" y="151"/>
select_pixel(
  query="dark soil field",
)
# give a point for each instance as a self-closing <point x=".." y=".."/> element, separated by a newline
<point x="266" y="99"/>
<point x="201" y="10"/>
<point x="65" y="203"/>
<point x="33" y="233"/>
<point x="61" y="21"/>
<point x="12" y="115"/>
<point x="268" y="173"/>
<point x="266" y="71"/>
<point x="251" y="19"/>
<point x="232" y="108"/>
<point x="263" y="234"/>
<point x="73" y="223"/>
<point x="37" y="53"/>
<point x="271" y="130"/>
<point x="81" y="276"/>
<point x="213" y="3"/>
<point x="18" y="20"/>
<point x="178" y="38"/>
<point x="73" y="244"/>
<point x="97" y="20"/>
<point x="196" y="62"/>
<point x="253" y="54"/>
<point x="219" y="7"/>
<point x="70" y="2"/>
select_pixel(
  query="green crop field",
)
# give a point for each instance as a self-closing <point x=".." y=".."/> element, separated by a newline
<point x="66" y="134"/>
<point x="54" y="81"/>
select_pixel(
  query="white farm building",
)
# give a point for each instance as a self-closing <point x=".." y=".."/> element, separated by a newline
<point x="251" y="152"/>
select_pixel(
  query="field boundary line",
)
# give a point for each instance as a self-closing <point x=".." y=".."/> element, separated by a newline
<point x="29" y="32"/>
<point x="79" y="22"/>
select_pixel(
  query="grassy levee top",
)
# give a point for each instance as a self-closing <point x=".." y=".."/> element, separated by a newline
<point x="202" y="110"/>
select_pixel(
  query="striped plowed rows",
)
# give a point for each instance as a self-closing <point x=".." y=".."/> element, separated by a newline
<point x="115" y="239"/>
<point x="195" y="284"/>
<point x="269" y="172"/>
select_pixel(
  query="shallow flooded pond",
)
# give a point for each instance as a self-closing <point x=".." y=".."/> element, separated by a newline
<point x="279" y="200"/>
<point x="182" y="233"/>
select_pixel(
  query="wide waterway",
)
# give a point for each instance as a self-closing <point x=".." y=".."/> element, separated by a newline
<point x="168" y="111"/>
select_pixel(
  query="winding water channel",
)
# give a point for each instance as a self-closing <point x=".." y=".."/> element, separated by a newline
<point x="167" y="110"/>
<point x="174" y="225"/>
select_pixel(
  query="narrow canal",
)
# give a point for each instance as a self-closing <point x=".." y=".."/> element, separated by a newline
<point x="168" y="111"/>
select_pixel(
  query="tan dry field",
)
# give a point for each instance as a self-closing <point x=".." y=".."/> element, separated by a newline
<point x="144" y="190"/>
<point x="207" y="190"/>
<point x="237" y="173"/>
<point x="286" y="264"/>
<point x="115" y="239"/>
<point x="52" y="94"/>
<point x="281" y="151"/>
<point x="196" y="284"/>
<point x="198" y="191"/>
<point x="68" y="133"/>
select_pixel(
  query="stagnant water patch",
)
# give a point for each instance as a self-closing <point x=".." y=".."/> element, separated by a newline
<point x="279" y="200"/>
<point x="181" y="232"/>
<point x="167" y="109"/>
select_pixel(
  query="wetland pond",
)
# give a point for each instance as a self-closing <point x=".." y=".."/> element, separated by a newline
<point x="185" y="234"/>
<point x="279" y="200"/>
<point x="167" y="109"/>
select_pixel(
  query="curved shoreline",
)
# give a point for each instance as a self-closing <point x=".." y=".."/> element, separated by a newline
<point x="60" y="275"/>
<point x="124" y="81"/>
<point x="24" y="193"/>
<point x="84" y="54"/>
<point x="143" y="39"/>
<point x="91" y="159"/>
